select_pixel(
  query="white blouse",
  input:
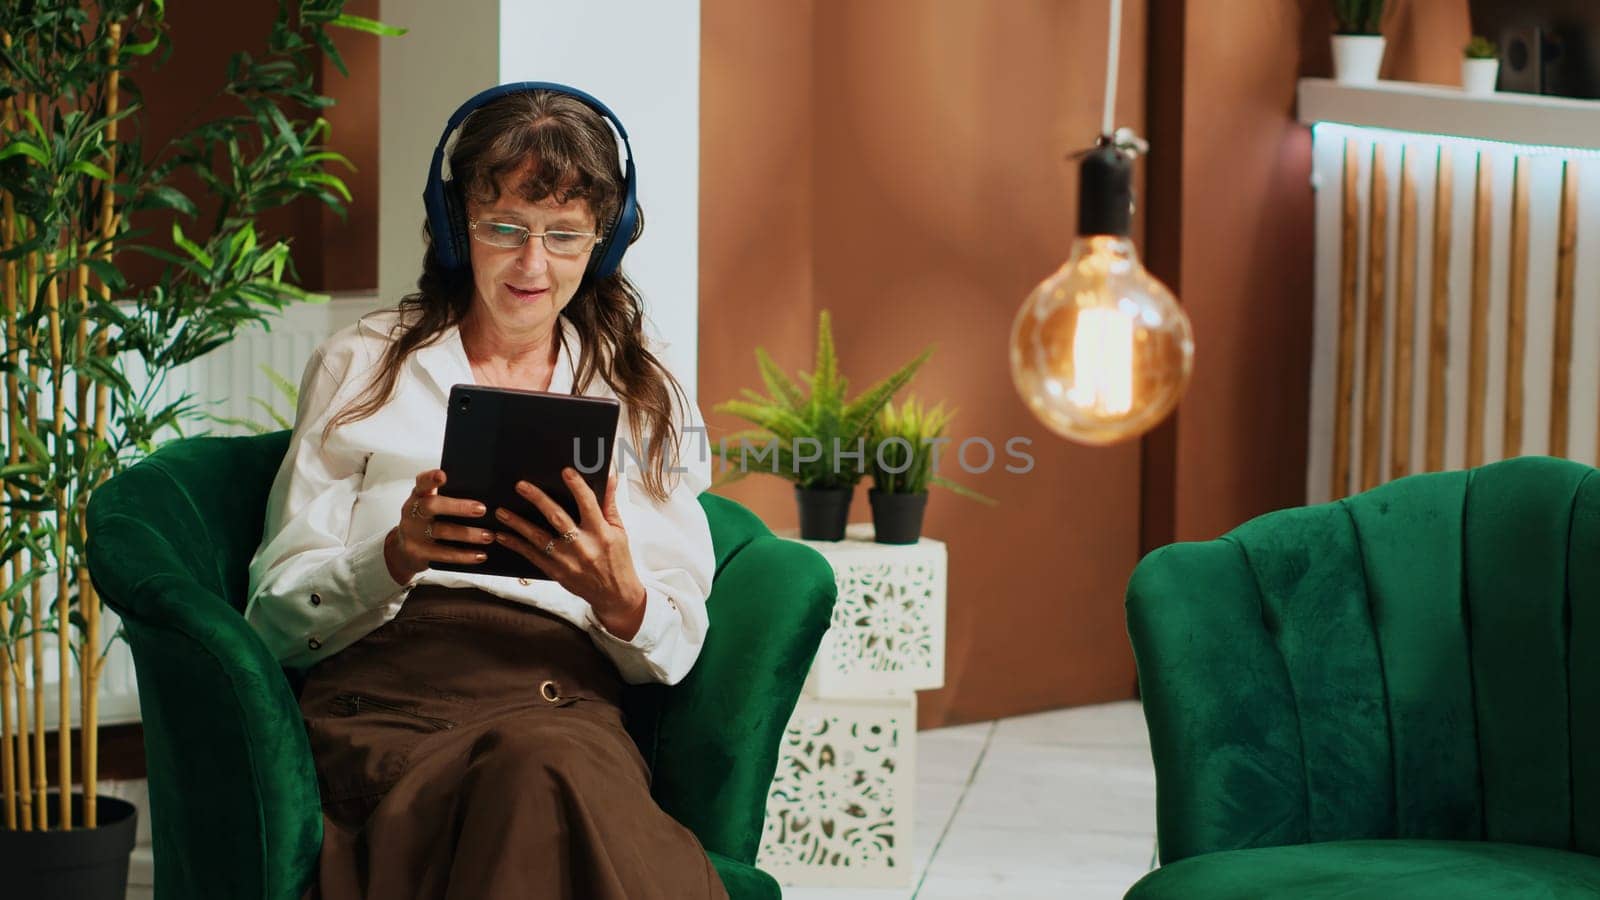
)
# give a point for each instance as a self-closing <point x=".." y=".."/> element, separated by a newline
<point x="319" y="582"/>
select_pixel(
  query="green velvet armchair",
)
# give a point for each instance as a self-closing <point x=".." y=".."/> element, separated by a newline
<point x="233" y="793"/>
<point x="1396" y="695"/>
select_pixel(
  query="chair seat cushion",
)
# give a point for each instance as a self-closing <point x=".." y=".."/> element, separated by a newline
<point x="1378" y="870"/>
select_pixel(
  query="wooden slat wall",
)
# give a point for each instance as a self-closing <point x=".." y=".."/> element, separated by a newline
<point x="1496" y="262"/>
<point x="1377" y="280"/>
<point x="1561" y="352"/>
<point x="1350" y="241"/>
<point x="1439" y="309"/>
<point x="1405" y="317"/>
<point x="1478" y="318"/>
<point x="1517" y="312"/>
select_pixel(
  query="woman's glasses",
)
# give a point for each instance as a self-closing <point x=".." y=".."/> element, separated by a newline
<point x="557" y="243"/>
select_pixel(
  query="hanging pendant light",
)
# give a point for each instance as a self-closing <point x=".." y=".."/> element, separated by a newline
<point x="1101" y="351"/>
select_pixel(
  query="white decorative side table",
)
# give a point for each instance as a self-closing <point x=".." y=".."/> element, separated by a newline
<point x="841" y="807"/>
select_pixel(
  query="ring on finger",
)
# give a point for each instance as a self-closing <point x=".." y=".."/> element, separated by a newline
<point x="549" y="547"/>
<point x="416" y="509"/>
<point x="427" y="531"/>
<point x="569" y="536"/>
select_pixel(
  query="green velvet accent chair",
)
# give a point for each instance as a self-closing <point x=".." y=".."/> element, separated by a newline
<point x="1395" y="695"/>
<point x="233" y="792"/>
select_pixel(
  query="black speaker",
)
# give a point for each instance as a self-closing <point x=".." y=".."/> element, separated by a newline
<point x="1546" y="46"/>
<point x="1521" y="60"/>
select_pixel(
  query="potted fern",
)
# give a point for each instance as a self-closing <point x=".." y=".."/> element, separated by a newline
<point x="1480" y="66"/>
<point x="1357" y="40"/>
<point x="812" y="437"/>
<point x="85" y="351"/>
<point x="905" y="445"/>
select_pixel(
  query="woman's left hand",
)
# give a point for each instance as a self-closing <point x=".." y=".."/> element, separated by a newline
<point x="589" y="558"/>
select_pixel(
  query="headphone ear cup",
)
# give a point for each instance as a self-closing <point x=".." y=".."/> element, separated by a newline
<point x="621" y="233"/>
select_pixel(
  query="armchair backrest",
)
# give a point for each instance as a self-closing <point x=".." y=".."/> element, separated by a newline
<point x="1418" y="661"/>
<point x="202" y="501"/>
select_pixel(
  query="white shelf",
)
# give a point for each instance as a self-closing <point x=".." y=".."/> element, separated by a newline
<point x="1434" y="109"/>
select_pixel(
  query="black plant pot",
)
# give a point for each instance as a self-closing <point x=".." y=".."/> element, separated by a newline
<point x="823" y="512"/>
<point x="897" y="518"/>
<point x="80" y="864"/>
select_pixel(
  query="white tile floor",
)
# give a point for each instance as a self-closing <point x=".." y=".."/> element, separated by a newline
<point x="1059" y="805"/>
<point x="1054" y="806"/>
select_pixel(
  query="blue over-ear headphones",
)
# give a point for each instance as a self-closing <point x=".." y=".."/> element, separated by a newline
<point x="447" y="215"/>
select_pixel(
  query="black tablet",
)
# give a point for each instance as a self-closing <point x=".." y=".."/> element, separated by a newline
<point x="495" y="437"/>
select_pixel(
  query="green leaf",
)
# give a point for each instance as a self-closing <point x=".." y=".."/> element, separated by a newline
<point x="330" y="156"/>
<point x="332" y="181"/>
<point x="172" y="198"/>
<point x="23" y="147"/>
<point x="108" y="274"/>
<point x="141" y="49"/>
<point x="285" y="387"/>
<point x="29" y="468"/>
<point x="88" y="168"/>
<point x="35" y="445"/>
<point x="370" y="26"/>
<point x="190" y="247"/>
<point x="285" y="130"/>
<point x="778" y="383"/>
<point x="38" y="128"/>
<point x="970" y="494"/>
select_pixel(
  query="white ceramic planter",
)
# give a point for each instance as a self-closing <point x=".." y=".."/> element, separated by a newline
<point x="1356" y="57"/>
<point x="1478" y="76"/>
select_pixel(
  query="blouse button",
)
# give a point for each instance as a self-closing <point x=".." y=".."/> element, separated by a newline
<point x="314" y="644"/>
<point x="316" y="599"/>
<point x="524" y="582"/>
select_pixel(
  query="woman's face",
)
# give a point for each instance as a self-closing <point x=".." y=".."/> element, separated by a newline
<point x="521" y="290"/>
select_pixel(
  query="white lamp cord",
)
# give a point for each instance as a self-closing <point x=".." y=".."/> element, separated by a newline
<point x="1124" y="139"/>
<point x="1113" y="50"/>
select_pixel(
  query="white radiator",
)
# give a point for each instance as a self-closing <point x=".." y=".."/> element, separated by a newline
<point x="1527" y="214"/>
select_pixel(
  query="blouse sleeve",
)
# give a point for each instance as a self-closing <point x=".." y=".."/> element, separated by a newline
<point x="670" y="542"/>
<point x="306" y="580"/>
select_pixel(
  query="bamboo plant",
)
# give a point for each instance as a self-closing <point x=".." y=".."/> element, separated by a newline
<point x="86" y="350"/>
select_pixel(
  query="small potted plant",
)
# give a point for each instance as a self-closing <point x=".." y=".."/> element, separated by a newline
<point x="1480" y="66"/>
<point x="806" y="436"/>
<point x="1357" y="40"/>
<point x="905" y="444"/>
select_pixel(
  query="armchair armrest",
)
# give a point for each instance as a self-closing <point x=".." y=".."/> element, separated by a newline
<point x="717" y="741"/>
<point x="238" y="813"/>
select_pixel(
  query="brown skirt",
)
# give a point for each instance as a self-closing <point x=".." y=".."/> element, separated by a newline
<point x="474" y="748"/>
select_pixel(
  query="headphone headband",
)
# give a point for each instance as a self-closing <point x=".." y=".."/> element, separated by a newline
<point x="446" y="209"/>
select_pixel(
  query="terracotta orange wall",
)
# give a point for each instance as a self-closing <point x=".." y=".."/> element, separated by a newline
<point x="1241" y="238"/>
<point x="901" y="163"/>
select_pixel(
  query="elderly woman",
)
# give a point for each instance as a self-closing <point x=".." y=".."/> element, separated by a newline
<point x="466" y="727"/>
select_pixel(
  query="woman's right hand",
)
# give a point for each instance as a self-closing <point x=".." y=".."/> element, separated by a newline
<point x="419" y="540"/>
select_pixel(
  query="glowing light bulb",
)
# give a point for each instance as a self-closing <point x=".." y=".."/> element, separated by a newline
<point x="1101" y="351"/>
